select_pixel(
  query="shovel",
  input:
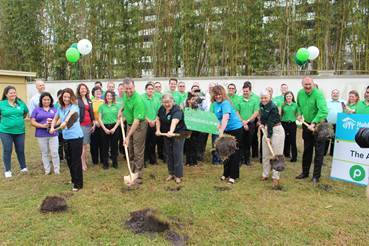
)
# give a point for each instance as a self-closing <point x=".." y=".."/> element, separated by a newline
<point x="128" y="180"/>
<point x="277" y="161"/>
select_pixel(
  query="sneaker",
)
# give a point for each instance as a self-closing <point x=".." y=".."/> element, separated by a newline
<point x="8" y="174"/>
<point x="75" y="189"/>
<point x="231" y="181"/>
<point x="47" y="173"/>
<point x="24" y="170"/>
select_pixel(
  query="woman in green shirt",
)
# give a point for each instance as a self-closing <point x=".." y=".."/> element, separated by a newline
<point x="353" y="99"/>
<point x="109" y="122"/>
<point x="12" y="129"/>
<point x="289" y="113"/>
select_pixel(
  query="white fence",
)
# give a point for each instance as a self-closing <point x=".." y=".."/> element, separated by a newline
<point x="325" y="83"/>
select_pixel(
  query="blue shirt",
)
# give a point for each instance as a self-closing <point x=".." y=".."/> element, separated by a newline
<point x="226" y="107"/>
<point x="334" y="107"/>
<point x="75" y="131"/>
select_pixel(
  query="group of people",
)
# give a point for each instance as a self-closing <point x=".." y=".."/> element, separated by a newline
<point x="154" y="127"/>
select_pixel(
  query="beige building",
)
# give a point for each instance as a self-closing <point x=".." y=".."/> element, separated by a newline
<point x="18" y="79"/>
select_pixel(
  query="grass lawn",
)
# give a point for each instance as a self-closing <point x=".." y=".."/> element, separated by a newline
<point x="249" y="213"/>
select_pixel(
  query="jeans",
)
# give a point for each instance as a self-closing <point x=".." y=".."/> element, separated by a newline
<point x="49" y="144"/>
<point x="7" y="141"/>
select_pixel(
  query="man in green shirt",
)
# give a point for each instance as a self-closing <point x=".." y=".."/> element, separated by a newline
<point x="312" y="106"/>
<point x="278" y="100"/>
<point x="160" y="140"/>
<point x="120" y="103"/>
<point x="363" y="106"/>
<point x="232" y="94"/>
<point x="173" y="91"/>
<point x="157" y="90"/>
<point x="135" y="115"/>
<point x="247" y="108"/>
<point x="182" y="92"/>
<point x="152" y="105"/>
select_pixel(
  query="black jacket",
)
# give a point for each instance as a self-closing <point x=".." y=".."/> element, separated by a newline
<point x="81" y="106"/>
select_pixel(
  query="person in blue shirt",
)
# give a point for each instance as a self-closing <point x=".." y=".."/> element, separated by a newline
<point x="73" y="136"/>
<point x="231" y="124"/>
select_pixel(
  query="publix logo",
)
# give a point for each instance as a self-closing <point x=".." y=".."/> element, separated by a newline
<point x="357" y="173"/>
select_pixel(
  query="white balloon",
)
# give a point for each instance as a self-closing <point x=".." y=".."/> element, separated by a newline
<point x="313" y="52"/>
<point x="84" y="46"/>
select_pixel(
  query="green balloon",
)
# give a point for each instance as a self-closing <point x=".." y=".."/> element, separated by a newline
<point x="298" y="62"/>
<point x="74" y="45"/>
<point x="302" y="54"/>
<point x="72" y="55"/>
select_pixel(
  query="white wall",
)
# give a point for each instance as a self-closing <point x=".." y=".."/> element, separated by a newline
<point x="325" y="83"/>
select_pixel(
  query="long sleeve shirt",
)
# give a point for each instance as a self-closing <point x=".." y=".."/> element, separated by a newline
<point x="269" y="116"/>
<point x="312" y="106"/>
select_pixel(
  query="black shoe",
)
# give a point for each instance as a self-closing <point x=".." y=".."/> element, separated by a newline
<point x="315" y="180"/>
<point x="302" y="176"/>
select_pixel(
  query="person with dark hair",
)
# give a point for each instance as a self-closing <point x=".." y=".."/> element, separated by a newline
<point x="86" y="119"/>
<point x="278" y="100"/>
<point x="247" y="108"/>
<point x="353" y="99"/>
<point x="41" y="119"/>
<point x="170" y="122"/>
<point x="73" y="136"/>
<point x="193" y="144"/>
<point x="98" y="84"/>
<point x="109" y="122"/>
<point x="135" y="114"/>
<point x="62" y="149"/>
<point x="230" y="124"/>
<point x="232" y="95"/>
<point x="313" y="110"/>
<point x="120" y="102"/>
<point x="173" y="91"/>
<point x="152" y="105"/>
<point x="96" y="136"/>
<point x="12" y="129"/>
<point x="289" y="112"/>
<point x="363" y="105"/>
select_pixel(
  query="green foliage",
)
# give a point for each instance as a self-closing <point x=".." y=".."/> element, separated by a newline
<point x="189" y="38"/>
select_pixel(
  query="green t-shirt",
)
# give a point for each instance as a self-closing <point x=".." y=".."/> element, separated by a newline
<point x="352" y="106"/>
<point x="362" y="108"/>
<point x="254" y="96"/>
<point x="183" y="97"/>
<point x="312" y="106"/>
<point x="134" y="108"/>
<point x="158" y="95"/>
<point x="109" y="113"/>
<point x="278" y="100"/>
<point x="235" y="99"/>
<point x="289" y="112"/>
<point x="12" y="118"/>
<point x="120" y="101"/>
<point x="247" y="107"/>
<point x="176" y="97"/>
<point x="152" y="106"/>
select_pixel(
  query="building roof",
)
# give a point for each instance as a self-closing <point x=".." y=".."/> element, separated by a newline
<point x="17" y="73"/>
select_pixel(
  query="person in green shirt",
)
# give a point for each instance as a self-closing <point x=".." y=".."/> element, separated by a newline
<point x="12" y="129"/>
<point x="135" y="115"/>
<point x="120" y="102"/>
<point x="362" y="107"/>
<point x="279" y="100"/>
<point x="159" y="139"/>
<point x="152" y="105"/>
<point x="247" y="108"/>
<point x="109" y="122"/>
<point x="289" y="113"/>
<point x="312" y="106"/>
<point x="232" y="94"/>
<point x="157" y="92"/>
<point x="353" y="99"/>
<point x="173" y="91"/>
<point x="182" y="93"/>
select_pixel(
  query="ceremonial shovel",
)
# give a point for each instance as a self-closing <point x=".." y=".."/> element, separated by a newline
<point x="128" y="180"/>
<point x="277" y="161"/>
<point x="72" y="119"/>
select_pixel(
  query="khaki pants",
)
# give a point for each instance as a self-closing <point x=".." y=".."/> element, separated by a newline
<point x="136" y="148"/>
<point x="277" y="141"/>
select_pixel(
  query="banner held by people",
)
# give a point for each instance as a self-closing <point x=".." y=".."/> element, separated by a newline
<point x="201" y="121"/>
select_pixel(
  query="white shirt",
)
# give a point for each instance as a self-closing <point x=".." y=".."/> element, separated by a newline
<point x="34" y="102"/>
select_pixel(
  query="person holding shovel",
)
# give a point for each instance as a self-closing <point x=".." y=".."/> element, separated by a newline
<point x="312" y="108"/>
<point x="273" y="137"/>
<point x="170" y="123"/>
<point x="135" y="114"/>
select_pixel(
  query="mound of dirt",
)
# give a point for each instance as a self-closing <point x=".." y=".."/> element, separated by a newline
<point x="53" y="204"/>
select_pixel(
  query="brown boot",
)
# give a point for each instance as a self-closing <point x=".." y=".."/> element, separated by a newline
<point x="264" y="178"/>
